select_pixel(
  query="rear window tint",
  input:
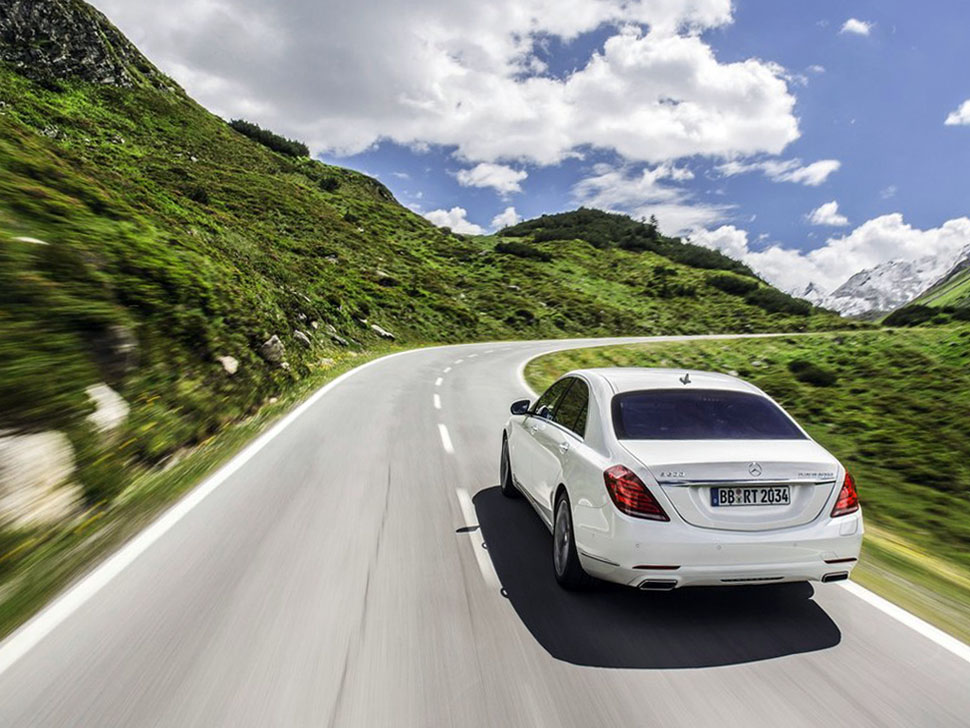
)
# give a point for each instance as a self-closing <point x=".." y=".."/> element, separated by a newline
<point x="699" y="414"/>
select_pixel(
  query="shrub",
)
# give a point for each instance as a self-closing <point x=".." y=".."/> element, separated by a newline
<point x="329" y="184"/>
<point x="351" y="218"/>
<point x="774" y="301"/>
<point x="199" y="194"/>
<point x="911" y="315"/>
<point x="277" y="143"/>
<point x="811" y="373"/>
<point x="523" y="250"/>
<point x="735" y="285"/>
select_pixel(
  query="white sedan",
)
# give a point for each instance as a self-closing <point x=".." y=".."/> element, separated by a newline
<point x="660" y="478"/>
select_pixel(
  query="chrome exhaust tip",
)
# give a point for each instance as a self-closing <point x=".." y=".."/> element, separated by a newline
<point x="658" y="584"/>
<point x="835" y="576"/>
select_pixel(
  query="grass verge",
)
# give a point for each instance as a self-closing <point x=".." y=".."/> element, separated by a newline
<point x="35" y="566"/>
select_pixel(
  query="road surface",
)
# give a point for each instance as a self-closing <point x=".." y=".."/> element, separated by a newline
<point x="350" y="572"/>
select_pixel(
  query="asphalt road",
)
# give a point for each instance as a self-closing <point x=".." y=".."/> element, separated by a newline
<point x="340" y="577"/>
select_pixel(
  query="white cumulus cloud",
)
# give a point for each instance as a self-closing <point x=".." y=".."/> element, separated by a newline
<point x="345" y="79"/>
<point x="648" y="192"/>
<point x="505" y="218"/>
<point x="828" y="214"/>
<point x="856" y="26"/>
<point x="502" y="178"/>
<point x="961" y="116"/>
<point x="456" y="218"/>
<point x="876" y="241"/>
<point x="787" y="170"/>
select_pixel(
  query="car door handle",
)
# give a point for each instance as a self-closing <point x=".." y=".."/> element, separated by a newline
<point x="563" y="447"/>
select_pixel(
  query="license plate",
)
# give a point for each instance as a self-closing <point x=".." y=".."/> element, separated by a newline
<point x="774" y="495"/>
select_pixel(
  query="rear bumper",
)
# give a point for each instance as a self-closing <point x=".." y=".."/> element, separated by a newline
<point x="708" y="557"/>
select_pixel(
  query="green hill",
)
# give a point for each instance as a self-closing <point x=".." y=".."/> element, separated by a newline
<point x="952" y="291"/>
<point x="143" y="240"/>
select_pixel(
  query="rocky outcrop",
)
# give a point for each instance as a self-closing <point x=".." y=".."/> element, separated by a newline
<point x="302" y="338"/>
<point x="335" y="337"/>
<point x="111" y="409"/>
<point x="382" y="332"/>
<point x="229" y="363"/>
<point x="273" y="350"/>
<point x="52" y="39"/>
<point x="116" y="350"/>
<point x="34" y="474"/>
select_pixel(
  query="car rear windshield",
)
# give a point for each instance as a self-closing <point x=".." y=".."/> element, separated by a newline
<point x="699" y="414"/>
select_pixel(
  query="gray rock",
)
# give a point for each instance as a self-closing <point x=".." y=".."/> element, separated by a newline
<point x="116" y="350"/>
<point x="34" y="474"/>
<point x="229" y="363"/>
<point x="111" y="408"/>
<point x="314" y="325"/>
<point x="383" y="333"/>
<point x="335" y="337"/>
<point x="273" y="350"/>
<point x="68" y="39"/>
<point x="302" y="338"/>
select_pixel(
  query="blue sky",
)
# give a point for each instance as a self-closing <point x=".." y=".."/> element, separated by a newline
<point x="807" y="138"/>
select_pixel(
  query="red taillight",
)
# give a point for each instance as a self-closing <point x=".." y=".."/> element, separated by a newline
<point x="631" y="496"/>
<point x="848" y="501"/>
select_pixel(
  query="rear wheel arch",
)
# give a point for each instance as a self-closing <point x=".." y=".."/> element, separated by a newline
<point x="561" y="488"/>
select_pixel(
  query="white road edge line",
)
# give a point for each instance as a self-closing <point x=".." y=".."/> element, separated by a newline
<point x="437" y="402"/>
<point x="481" y="556"/>
<point x="941" y="638"/>
<point x="438" y="381"/>
<point x="29" y="634"/>
<point x="446" y="439"/>
<point x="934" y="634"/>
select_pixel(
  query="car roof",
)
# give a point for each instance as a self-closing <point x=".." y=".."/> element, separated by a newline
<point x="626" y="379"/>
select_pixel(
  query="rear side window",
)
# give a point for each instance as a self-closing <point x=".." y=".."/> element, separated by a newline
<point x="699" y="414"/>
<point x="571" y="410"/>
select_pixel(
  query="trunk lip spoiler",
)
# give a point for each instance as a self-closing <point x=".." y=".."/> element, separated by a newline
<point x="686" y="482"/>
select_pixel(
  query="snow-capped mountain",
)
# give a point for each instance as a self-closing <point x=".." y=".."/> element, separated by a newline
<point x="813" y="293"/>
<point x="889" y="285"/>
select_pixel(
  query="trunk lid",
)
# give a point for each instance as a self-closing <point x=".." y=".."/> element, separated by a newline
<point x="687" y="470"/>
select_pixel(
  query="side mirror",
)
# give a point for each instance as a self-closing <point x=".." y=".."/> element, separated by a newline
<point x="520" y="407"/>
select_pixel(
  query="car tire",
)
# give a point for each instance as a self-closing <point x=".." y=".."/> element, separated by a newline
<point x="507" y="482"/>
<point x="565" y="560"/>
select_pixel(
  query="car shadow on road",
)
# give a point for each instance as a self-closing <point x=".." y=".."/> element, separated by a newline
<point x="616" y="626"/>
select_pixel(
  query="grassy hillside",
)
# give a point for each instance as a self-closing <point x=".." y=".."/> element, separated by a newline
<point x="952" y="291"/>
<point x="893" y="405"/>
<point x="167" y="229"/>
<point x="147" y="244"/>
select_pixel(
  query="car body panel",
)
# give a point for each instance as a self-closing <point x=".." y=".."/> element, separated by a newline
<point x="707" y="545"/>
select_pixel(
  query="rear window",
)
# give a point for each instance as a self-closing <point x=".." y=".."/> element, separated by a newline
<point x="699" y="414"/>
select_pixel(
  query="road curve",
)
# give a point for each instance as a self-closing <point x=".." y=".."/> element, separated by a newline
<point x="361" y="569"/>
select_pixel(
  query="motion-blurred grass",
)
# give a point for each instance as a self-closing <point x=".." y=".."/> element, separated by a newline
<point x="895" y="408"/>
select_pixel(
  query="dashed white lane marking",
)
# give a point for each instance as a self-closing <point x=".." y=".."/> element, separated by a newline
<point x="489" y="351"/>
<point x="459" y="361"/>
<point x="475" y="538"/>
<point x="437" y="402"/>
<point x="446" y="439"/>
<point x="446" y="370"/>
<point x="472" y="356"/>
<point x="958" y="648"/>
<point x="438" y="381"/>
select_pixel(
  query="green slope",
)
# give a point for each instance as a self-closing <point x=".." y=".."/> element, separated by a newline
<point x="953" y="291"/>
